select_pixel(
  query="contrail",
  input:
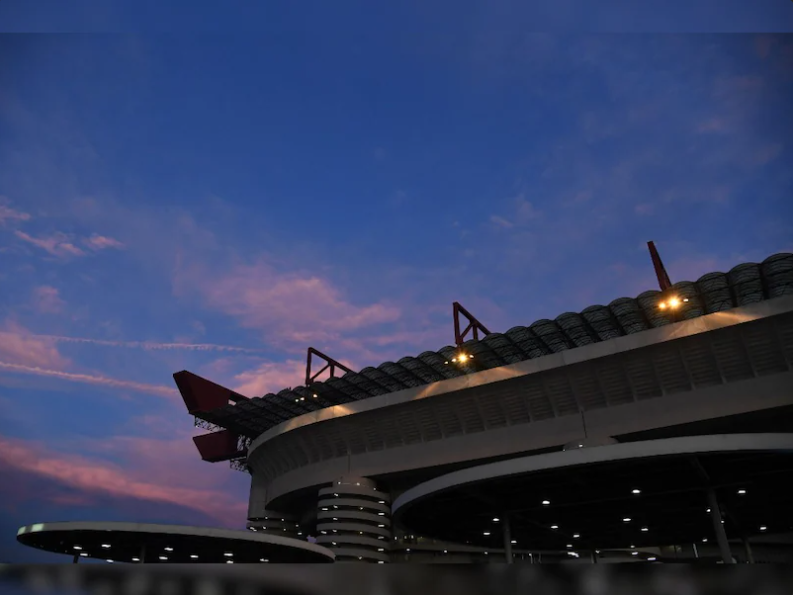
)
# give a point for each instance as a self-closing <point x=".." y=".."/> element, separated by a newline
<point x="150" y="345"/>
<point x="163" y="391"/>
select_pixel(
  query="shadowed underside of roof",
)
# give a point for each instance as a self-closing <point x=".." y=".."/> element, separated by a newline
<point x="745" y="284"/>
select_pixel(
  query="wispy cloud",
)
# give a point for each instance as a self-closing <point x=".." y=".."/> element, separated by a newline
<point x="99" y="477"/>
<point x="57" y="244"/>
<point x="47" y="300"/>
<point x="8" y="214"/>
<point x="97" y="242"/>
<point x="270" y="377"/>
<point x="150" y="345"/>
<point x="19" y="347"/>
<point x="163" y="391"/>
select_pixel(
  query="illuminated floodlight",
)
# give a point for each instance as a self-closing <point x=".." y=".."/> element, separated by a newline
<point x="106" y="545"/>
<point x="636" y="491"/>
<point x="554" y="527"/>
<point x="626" y="520"/>
<point x="495" y="519"/>
<point x="662" y="306"/>
<point x="314" y="395"/>
<point x="763" y="528"/>
<point x="163" y="558"/>
<point x="194" y="557"/>
<point x="228" y="554"/>
<point x="652" y="559"/>
<point x="486" y="533"/>
<point x="168" y="549"/>
<point x="77" y="547"/>
<point x="513" y="542"/>
<point x="576" y="535"/>
<point x="741" y="492"/>
<point x="644" y="529"/>
<point x="546" y="502"/>
<point x="674" y="302"/>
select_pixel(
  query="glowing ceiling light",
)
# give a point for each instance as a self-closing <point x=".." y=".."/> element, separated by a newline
<point x="652" y="559"/>
<point x="576" y="535"/>
<point x="626" y="520"/>
<point x="495" y="519"/>
<point x="163" y="558"/>
<point x="554" y="527"/>
<point x="486" y="533"/>
<point x="741" y="492"/>
<point x="763" y="528"/>
<point x="636" y="491"/>
<point x="644" y="529"/>
<point x="193" y="556"/>
<point x="314" y="395"/>
<point x="569" y="545"/>
<point x="77" y="547"/>
<point x="109" y="561"/>
<point x="634" y="553"/>
<point x="168" y="549"/>
<point x="229" y="561"/>
<point x="704" y="540"/>
<point x="84" y="555"/>
<point x="228" y="554"/>
<point x="546" y="502"/>
<point x="106" y="545"/>
<point x="136" y="559"/>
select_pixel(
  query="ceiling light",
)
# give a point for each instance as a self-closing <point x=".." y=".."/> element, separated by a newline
<point x="109" y="561"/>
<point x="546" y="502"/>
<point x="554" y="527"/>
<point x="495" y="520"/>
<point x="229" y="561"/>
<point x="674" y="302"/>
<point x="569" y="545"/>
<point x="636" y="491"/>
<point x="626" y="520"/>
<point x="445" y="551"/>
<point x="704" y="540"/>
<point x="763" y="528"/>
<point x="380" y="549"/>
<point x="381" y="502"/>
<point x="83" y="554"/>
<point x="315" y="395"/>
<point x="662" y="306"/>
<point x="169" y="549"/>
<point x="741" y="492"/>
<point x="576" y="535"/>
<point x="325" y="508"/>
<point x="380" y="514"/>
<point x="486" y="533"/>
<point x="228" y="554"/>
<point x="163" y="557"/>
<point x="513" y="542"/>
<point x="652" y="559"/>
<point x="407" y="550"/>
<point x="77" y="547"/>
<point x="106" y="545"/>
<point x="634" y="553"/>
<point x="136" y="559"/>
<point x="644" y="529"/>
<point x="194" y="557"/>
<point x="381" y="526"/>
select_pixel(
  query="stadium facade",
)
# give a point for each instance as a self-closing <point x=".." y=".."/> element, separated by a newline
<point x="653" y="429"/>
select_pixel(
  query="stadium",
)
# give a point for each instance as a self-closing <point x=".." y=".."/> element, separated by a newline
<point x="655" y="429"/>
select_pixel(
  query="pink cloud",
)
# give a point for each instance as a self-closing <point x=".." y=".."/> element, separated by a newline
<point x="151" y="478"/>
<point x="47" y="300"/>
<point x="163" y="391"/>
<point x="19" y="347"/>
<point x="288" y="306"/>
<point x="270" y="377"/>
<point x="150" y="345"/>
<point x="58" y="244"/>
<point x="501" y="222"/>
<point x="9" y="214"/>
<point x="97" y="242"/>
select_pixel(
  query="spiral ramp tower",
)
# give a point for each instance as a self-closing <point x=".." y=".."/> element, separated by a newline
<point x="354" y="520"/>
<point x="276" y="523"/>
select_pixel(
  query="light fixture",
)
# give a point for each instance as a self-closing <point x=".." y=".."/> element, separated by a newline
<point x="513" y="542"/>
<point x="763" y="528"/>
<point x="708" y="510"/>
<point x="674" y="302"/>
<point x="325" y="508"/>
<point x="380" y="549"/>
<point x="741" y="492"/>
<point x="644" y="529"/>
<point x="626" y="520"/>
<point x="636" y="491"/>
<point x="193" y="556"/>
<point x="445" y="551"/>
<point x="704" y="540"/>
<point x="109" y="561"/>
<point x="407" y="550"/>
<point x="546" y="502"/>
<point x="83" y="554"/>
<point x="77" y="547"/>
<point x="262" y="560"/>
<point x="315" y="395"/>
<point x="633" y="547"/>
<point x="554" y="527"/>
<point x="106" y="545"/>
<point x="228" y="554"/>
<point x="381" y="526"/>
<point x="652" y="559"/>
<point x="634" y="553"/>
<point x="168" y="549"/>
<point x="381" y="502"/>
<point x="163" y="557"/>
<point x="136" y="559"/>
<point x="229" y="561"/>
<point x="486" y="533"/>
<point x="380" y="514"/>
<point x="495" y="519"/>
<point x="569" y="545"/>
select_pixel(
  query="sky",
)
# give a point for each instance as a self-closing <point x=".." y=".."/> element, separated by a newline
<point x="218" y="190"/>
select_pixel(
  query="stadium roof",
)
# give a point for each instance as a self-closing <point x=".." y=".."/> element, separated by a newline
<point x="745" y="284"/>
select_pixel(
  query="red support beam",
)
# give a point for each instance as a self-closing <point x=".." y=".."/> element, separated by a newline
<point x="329" y="363"/>
<point x="473" y="324"/>
<point x="218" y="446"/>
<point x="200" y="394"/>
<point x="660" y="271"/>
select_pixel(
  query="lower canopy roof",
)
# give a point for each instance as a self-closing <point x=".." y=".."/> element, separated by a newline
<point x="152" y="543"/>
<point x="644" y="500"/>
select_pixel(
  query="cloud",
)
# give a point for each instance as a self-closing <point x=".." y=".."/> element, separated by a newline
<point x="294" y="307"/>
<point x="150" y="345"/>
<point x="19" y="347"/>
<point x="150" y="478"/>
<point x="270" y="377"/>
<point x="501" y="222"/>
<point x="58" y="244"/>
<point x="47" y="300"/>
<point x="97" y="243"/>
<point x="163" y="391"/>
<point x="9" y="214"/>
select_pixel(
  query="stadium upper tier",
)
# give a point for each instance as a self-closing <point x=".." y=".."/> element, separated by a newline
<point x="744" y="284"/>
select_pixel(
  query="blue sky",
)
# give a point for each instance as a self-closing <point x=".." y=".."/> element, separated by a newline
<point x="220" y="201"/>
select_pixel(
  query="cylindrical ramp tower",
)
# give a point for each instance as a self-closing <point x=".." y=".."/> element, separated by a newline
<point x="276" y="523"/>
<point x="354" y="520"/>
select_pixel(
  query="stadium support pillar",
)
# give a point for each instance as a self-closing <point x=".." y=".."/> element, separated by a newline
<point x="507" y="539"/>
<point x="76" y="559"/>
<point x="718" y="528"/>
<point x="747" y="548"/>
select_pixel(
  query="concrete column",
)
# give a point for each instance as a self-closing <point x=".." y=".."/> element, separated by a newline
<point x="748" y="550"/>
<point x="75" y="558"/>
<point x="507" y="539"/>
<point x="593" y="554"/>
<point x="718" y="528"/>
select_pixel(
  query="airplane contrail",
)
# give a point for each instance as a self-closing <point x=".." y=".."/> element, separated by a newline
<point x="150" y="345"/>
<point x="163" y="391"/>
